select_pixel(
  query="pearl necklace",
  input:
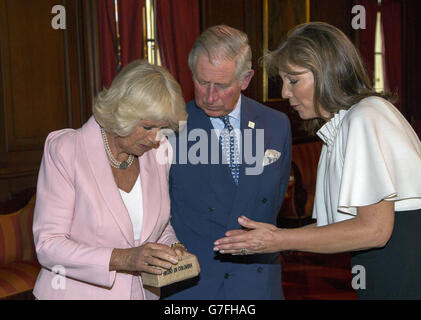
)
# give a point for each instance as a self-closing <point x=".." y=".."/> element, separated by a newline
<point x="113" y="161"/>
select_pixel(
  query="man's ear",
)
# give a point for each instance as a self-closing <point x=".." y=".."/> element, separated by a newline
<point x="247" y="80"/>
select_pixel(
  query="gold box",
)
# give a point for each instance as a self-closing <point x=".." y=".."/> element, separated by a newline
<point x="186" y="268"/>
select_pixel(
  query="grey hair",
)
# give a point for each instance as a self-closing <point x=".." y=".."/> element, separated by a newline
<point x="140" y="91"/>
<point x="223" y="42"/>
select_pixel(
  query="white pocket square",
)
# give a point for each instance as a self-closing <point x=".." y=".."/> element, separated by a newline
<point x="270" y="156"/>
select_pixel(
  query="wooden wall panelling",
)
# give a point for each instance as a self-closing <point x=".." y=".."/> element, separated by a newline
<point x="74" y="62"/>
<point x="253" y="26"/>
<point x="4" y="190"/>
<point x="48" y="78"/>
<point x="34" y="78"/>
<point x="92" y="54"/>
<point x="230" y="12"/>
<point x="334" y="12"/>
<point x="2" y="108"/>
<point x="84" y="55"/>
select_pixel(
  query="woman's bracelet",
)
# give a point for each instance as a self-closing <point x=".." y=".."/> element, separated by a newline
<point x="179" y="245"/>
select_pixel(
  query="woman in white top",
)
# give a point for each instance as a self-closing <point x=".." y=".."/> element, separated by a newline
<point x="368" y="191"/>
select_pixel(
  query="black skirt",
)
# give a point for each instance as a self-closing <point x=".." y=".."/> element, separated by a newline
<point x="394" y="271"/>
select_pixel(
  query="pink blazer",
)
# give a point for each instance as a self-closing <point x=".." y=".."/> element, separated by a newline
<point x="80" y="217"/>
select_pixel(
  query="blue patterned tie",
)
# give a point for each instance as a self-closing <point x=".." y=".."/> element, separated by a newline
<point x="227" y="133"/>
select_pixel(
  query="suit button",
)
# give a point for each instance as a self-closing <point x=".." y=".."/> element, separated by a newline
<point x="264" y="200"/>
<point x="211" y="209"/>
<point x="259" y="269"/>
<point x="226" y="276"/>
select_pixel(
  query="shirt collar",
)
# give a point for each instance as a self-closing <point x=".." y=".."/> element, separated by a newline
<point x="236" y="113"/>
<point x="329" y="130"/>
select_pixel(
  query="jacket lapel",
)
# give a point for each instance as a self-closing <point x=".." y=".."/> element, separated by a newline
<point x="200" y="120"/>
<point x="98" y="162"/>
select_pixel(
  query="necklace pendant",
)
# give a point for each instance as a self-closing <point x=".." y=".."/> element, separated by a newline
<point x="114" y="163"/>
<point x="124" y="165"/>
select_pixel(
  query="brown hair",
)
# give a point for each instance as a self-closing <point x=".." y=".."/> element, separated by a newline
<point x="340" y="79"/>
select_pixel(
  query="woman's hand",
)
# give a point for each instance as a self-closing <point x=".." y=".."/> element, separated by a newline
<point x="145" y="258"/>
<point x="180" y="250"/>
<point x="258" y="237"/>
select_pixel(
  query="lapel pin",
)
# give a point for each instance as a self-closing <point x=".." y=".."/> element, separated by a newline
<point x="251" y="124"/>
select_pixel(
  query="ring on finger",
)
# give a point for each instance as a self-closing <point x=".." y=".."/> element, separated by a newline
<point x="244" y="252"/>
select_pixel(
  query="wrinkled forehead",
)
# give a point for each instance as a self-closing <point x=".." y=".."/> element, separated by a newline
<point x="215" y="58"/>
<point x="154" y="123"/>
<point x="218" y="71"/>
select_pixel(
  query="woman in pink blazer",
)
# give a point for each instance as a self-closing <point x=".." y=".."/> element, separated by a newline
<point x="102" y="209"/>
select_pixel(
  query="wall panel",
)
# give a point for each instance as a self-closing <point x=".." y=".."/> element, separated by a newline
<point x="47" y="80"/>
<point x="35" y="79"/>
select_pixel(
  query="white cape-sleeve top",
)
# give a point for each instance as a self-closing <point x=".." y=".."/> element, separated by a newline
<point x="370" y="153"/>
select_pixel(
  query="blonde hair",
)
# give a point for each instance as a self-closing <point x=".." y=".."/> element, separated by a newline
<point x="223" y="42"/>
<point x="340" y="79"/>
<point x="140" y="91"/>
